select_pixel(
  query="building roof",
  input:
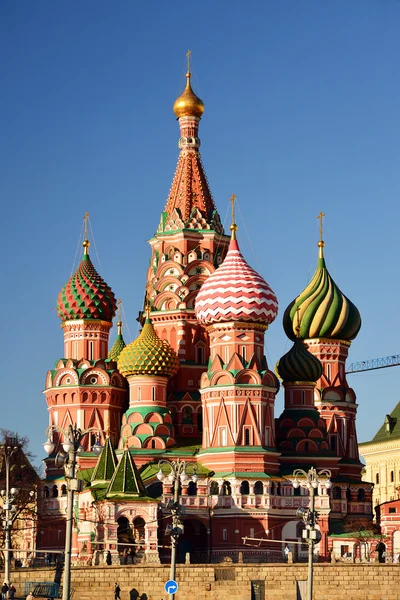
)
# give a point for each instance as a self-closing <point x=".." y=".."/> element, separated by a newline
<point x="86" y="295"/>
<point x="126" y="480"/>
<point x="322" y="310"/>
<point x="106" y="465"/>
<point x="389" y="430"/>
<point x="298" y="364"/>
<point x="235" y="292"/>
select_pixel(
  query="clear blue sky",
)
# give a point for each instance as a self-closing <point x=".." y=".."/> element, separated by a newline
<point x="302" y="115"/>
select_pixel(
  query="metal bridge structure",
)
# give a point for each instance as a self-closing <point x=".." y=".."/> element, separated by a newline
<point x="374" y="363"/>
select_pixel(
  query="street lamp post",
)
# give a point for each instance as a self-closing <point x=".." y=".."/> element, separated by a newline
<point x="178" y="473"/>
<point x="310" y="480"/>
<point x="9" y="495"/>
<point x="71" y="448"/>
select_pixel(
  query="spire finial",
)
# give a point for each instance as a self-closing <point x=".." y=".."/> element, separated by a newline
<point x="321" y="242"/>
<point x="298" y="328"/>
<point x="233" y="226"/>
<point x="188" y="53"/>
<point x="86" y="242"/>
<point x="119" y="322"/>
<point x="147" y="310"/>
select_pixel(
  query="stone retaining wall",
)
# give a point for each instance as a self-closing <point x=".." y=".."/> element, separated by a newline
<point x="214" y="582"/>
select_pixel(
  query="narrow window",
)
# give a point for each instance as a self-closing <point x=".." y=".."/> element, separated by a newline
<point x="139" y="393"/>
<point x="303" y="397"/>
<point x="247" y="437"/>
<point x="224" y="440"/>
<point x="244" y="353"/>
<point x="75" y="350"/>
<point x="377" y="478"/>
<point x="328" y="371"/>
<point x="251" y="532"/>
<point x="91" y="350"/>
<point x="153" y="393"/>
<point x="224" y="534"/>
<point x="200" y="358"/>
<point x="153" y="443"/>
<point x="391" y="476"/>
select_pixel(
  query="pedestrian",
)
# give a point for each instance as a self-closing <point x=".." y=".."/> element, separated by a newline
<point x="117" y="592"/>
<point x="125" y="555"/>
<point x="30" y="596"/>
<point x="11" y="592"/>
<point x="286" y="552"/>
<point x="132" y="554"/>
<point x="108" y="558"/>
<point x="4" y="590"/>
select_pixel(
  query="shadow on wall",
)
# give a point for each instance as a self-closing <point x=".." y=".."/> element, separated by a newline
<point x="134" y="595"/>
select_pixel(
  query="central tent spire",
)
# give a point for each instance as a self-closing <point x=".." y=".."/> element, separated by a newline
<point x="190" y="204"/>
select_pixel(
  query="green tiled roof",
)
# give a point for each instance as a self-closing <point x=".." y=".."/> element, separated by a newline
<point x="106" y="464"/>
<point x="126" y="480"/>
<point x="390" y="429"/>
<point x="117" y="348"/>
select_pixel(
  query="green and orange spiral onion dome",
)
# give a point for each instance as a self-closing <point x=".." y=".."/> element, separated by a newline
<point x="86" y="295"/>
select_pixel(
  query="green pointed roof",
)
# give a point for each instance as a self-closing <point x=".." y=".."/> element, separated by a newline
<point x="106" y="464"/>
<point x="126" y="480"/>
<point x="298" y="364"/>
<point x="389" y="430"/>
<point x="322" y="310"/>
<point x="148" y="355"/>
<point x="119" y="343"/>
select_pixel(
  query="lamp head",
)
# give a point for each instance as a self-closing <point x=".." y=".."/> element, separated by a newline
<point x="49" y="447"/>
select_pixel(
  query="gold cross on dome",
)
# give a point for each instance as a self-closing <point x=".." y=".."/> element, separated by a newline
<point x="86" y="222"/>
<point x="188" y="53"/>
<point x="320" y="217"/>
<point x="232" y="200"/>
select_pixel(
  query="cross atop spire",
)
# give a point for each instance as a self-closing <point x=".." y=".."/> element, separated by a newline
<point x="321" y="242"/>
<point x="233" y="226"/>
<point x="119" y="322"/>
<point x="188" y="53"/>
<point x="86" y="242"/>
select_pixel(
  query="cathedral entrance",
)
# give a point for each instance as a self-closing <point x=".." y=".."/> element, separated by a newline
<point x="124" y="535"/>
<point x="194" y="541"/>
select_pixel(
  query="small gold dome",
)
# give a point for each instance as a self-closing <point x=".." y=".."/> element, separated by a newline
<point x="188" y="104"/>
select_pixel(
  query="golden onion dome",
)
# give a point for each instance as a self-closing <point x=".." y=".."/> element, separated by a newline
<point x="148" y="355"/>
<point x="188" y="104"/>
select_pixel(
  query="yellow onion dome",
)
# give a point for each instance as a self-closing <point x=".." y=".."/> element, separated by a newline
<point x="188" y="104"/>
<point x="148" y="355"/>
<point x="298" y="364"/>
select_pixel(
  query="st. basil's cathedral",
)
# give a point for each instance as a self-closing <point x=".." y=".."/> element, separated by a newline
<point x="195" y="385"/>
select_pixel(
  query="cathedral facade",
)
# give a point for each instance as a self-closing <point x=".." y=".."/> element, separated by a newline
<point x="195" y="386"/>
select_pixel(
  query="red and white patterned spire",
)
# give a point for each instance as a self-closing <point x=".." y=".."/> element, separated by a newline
<point x="235" y="291"/>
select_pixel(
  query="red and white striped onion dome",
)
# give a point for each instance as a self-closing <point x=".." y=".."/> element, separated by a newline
<point x="235" y="292"/>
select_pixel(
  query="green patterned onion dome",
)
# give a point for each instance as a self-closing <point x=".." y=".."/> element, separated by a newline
<point x="298" y="364"/>
<point x="148" y="355"/>
<point x="322" y="310"/>
<point x="118" y="345"/>
<point x="86" y="295"/>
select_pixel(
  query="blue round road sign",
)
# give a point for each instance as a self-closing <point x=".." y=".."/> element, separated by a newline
<point x="171" y="587"/>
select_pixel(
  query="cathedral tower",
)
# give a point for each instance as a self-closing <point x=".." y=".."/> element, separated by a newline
<point x="187" y="247"/>
<point x="238" y="390"/>
<point x="84" y="387"/>
<point x="327" y="321"/>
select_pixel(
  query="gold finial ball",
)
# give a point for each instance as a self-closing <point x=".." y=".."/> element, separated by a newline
<point x="86" y="243"/>
<point x="321" y="244"/>
<point x="233" y="227"/>
<point x="188" y="104"/>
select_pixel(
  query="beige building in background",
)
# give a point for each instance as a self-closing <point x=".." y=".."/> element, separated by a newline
<point x="382" y="459"/>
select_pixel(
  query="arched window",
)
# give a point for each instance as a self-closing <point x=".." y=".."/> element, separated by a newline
<point x="258" y="488"/>
<point x="391" y="476"/>
<point x="192" y="488"/>
<point x="46" y="492"/>
<point x="153" y="444"/>
<point x="187" y="415"/>
<point x="348" y="494"/>
<point x="361" y="495"/>
<point x="226" y="489"/>
<point x="214" y="488"/>
<point x="336" y="493"/>
<point x="377" y="478"/>
<point x="278" y="489"/>
<point x="200" y="355"/>
<point x="63" y="490"/>
<point x="247" y="436"/>
<point x="245" y="488"/>
<point x="54" y="491"/>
